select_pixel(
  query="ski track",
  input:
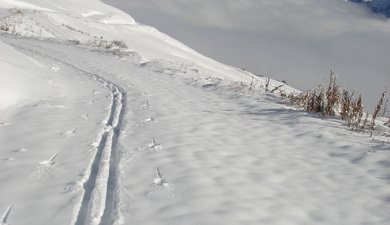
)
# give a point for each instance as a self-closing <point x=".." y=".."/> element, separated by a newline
<point x="98" y="204"/>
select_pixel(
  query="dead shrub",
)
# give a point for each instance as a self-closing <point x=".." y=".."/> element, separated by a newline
<point x="332" y="101"/>
<point x="320" y="100"/>
<point x="119" y="44"/>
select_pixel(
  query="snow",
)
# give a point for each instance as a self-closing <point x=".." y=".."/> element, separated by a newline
<point x="156" y="133"/>
<point x="18" y="85"/>
<point x="13" y="4"/>
<point x="92" y="13"/>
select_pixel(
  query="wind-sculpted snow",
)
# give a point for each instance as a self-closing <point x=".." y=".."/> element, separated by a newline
<point x="226" y="153"/>
<point x="115" y="138"/>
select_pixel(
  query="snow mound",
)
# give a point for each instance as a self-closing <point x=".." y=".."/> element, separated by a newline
<point x="92" y="13"/>
<point x="22" y="79"/>
<point x="115" y="19"/>
<point x="17" y="23"/>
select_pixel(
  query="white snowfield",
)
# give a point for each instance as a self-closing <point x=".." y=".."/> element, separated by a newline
<point x="93" y="133"/>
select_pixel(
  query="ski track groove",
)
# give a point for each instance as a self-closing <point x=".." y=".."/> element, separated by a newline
<point x="98" y="205"/>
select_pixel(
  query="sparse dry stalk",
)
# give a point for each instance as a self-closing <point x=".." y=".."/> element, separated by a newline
<point x="332" y="96"/>
<point x="276" y="88"/>
<point x="357" y="113"/>
<point x="267" y="83"/>
<point x="385" y="110"/>
<point x="377" y="110"/>
<point x="314" y="101"/>
<point x="345" y="105"/>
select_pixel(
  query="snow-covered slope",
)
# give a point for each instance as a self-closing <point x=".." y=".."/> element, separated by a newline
<point x="89" y="21"/>
<point x="105" y="121"/>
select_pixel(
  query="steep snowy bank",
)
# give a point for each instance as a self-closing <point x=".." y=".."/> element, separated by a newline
<point x="23" y="80"/>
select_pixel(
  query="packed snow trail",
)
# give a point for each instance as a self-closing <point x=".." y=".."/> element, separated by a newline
<point x="98" y="199"/>
<point x="223" y="156"/>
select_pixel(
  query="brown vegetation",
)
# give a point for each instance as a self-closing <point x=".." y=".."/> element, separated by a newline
<point x="377" y="110"/>
<point x="332" y="101"/>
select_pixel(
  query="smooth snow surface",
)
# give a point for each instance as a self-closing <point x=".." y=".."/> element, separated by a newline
<point x="100" y="134"/>
<point x="20" y="5"/>
<point x="17" y="83"/>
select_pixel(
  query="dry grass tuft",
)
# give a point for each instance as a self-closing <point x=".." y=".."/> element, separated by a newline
<point x="356" y="114"/>
<point x="320" y="100"/>
<point x="267" y="84"/>
<point x="331" y="101"/>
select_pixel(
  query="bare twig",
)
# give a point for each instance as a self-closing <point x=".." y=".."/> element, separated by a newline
<point x="276" y="88"/>
<point x="267" y="83"/>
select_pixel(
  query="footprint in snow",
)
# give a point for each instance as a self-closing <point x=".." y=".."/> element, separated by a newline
<point x="146" y="94"/>
<point x="84" y="118"/>
<point x="145" y="121"/>
<point x="72" y="187"/>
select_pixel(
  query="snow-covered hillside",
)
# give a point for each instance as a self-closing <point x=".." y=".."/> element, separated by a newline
<point x="105" y="121"/>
